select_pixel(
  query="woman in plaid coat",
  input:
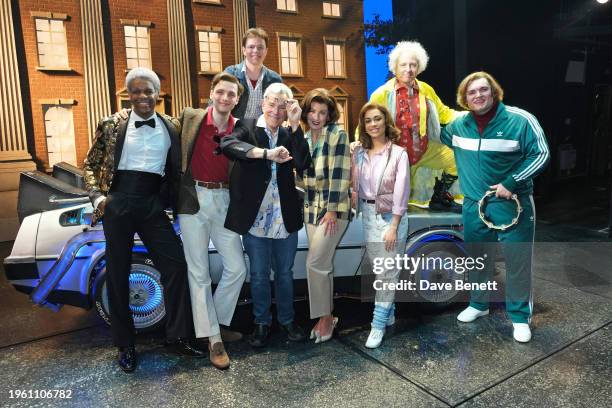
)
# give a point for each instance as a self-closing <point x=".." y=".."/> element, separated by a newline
<point x="326" y="204"/>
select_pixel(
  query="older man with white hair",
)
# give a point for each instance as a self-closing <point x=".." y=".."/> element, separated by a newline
<point x="418" y="112"/>
<point x="264" y="205"/>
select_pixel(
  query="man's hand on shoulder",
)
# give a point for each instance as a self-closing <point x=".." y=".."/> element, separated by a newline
<point x="177" y="123"/>
<point x="123" y="113"/>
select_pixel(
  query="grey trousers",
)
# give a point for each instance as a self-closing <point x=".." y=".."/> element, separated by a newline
<point x="320" y="267"/>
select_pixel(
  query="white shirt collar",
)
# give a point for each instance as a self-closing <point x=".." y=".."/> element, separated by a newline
<point x="145" y="148"/>
<point x="259" y="78"/>
<point x="244" y="67"/>
<point x="261" y="122"/>
<point x="134" y="117"/>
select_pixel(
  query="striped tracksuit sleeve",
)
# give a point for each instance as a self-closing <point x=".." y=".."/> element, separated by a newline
<point x="535" y="150"/>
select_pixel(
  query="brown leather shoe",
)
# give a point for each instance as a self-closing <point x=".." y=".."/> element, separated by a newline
<point x="218" y="356"/>
<point x="230" y="336"/>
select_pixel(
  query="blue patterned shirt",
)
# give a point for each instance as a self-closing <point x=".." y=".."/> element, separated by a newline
<point x="269" y="221"/>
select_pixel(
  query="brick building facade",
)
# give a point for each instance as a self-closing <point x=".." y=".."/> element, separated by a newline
<point x="64" y="65"/>
<point x="150" y="34"/>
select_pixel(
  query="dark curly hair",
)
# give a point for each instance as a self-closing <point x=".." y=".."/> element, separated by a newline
<point x="392" y="133"/>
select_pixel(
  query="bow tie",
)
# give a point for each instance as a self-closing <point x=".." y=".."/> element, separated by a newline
<point x="150" y="122"/>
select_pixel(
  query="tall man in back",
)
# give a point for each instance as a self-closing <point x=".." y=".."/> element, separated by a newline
<point x="253" y="75"/>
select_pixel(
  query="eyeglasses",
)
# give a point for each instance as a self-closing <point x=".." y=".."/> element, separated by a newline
<point x="482" y="90"/>
<point x="275" y="103"/>
<point x="217" y="140"/>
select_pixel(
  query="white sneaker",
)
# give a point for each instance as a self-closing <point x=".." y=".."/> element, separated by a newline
<point x="522" y="332"/>
<point x="470" y="314"/>
<point x="375" y="338"/>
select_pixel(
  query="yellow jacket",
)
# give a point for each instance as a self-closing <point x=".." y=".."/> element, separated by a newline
<point x="385" y="95"/>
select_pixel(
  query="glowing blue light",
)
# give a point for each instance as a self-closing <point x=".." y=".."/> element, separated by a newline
<point x="154" y="293"/>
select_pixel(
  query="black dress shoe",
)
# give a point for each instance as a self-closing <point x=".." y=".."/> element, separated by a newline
<point x="185" y="348"/>
<point x="127" y="358"/>
<point x="260" y="335"/>
<point x="230" y="336"/>
<point x="200" y="343"/>
<point x="293" y="332"/>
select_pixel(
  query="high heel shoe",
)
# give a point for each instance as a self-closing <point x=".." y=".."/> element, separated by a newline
<point x="314" y="334"/>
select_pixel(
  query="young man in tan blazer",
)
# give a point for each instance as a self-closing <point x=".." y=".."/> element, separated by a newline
<point x="202" y="207"/>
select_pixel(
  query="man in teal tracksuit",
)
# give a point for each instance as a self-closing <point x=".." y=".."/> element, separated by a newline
<point x="501" y="148"/>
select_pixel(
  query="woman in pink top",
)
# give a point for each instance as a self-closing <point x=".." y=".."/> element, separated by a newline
<point x="380" y="177"/>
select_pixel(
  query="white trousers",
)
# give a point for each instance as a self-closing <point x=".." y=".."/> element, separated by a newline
<point x="198" y="229"/>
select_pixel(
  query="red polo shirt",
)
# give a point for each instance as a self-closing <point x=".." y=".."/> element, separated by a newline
<point x="205" y="165"/>
<point x="483" y="120"/>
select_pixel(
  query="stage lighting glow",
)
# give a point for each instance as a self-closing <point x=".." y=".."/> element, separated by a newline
<point x="602" y="1"/>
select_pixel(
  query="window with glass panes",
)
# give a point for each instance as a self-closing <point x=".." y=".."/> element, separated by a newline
<point x="51" y="42"/>
<point x="210" y="51"/>
<point x="137" y="46"/>
<point x="331" y="9"/>
<point x="286" y="5"/>
<point x="334" y="56"/>
<point x="290" y="56"/>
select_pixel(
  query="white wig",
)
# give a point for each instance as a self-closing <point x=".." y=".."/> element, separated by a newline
<point x="278" y="88"/>
<point x="143" y="73"/>
<point x="411" y="48"/>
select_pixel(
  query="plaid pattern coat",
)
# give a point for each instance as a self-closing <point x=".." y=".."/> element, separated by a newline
<point x="328" y="178"/>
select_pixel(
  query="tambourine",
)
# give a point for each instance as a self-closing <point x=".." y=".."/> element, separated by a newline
<point x="482" y="203"/>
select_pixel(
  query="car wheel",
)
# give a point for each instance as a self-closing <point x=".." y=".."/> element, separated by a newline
<point x="146" y="295"/>
<point x="438" y="273"/>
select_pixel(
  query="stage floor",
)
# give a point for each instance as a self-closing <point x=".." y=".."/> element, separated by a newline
<point x="429" y="359"/>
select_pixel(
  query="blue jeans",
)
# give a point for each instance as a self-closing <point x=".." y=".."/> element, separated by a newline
<point x="262" y="252"/>
<point x="374" y="228"/>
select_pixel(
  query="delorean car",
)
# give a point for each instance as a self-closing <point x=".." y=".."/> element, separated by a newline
<point x="58" y="259"/>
